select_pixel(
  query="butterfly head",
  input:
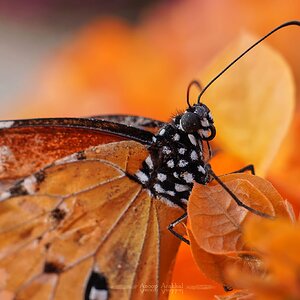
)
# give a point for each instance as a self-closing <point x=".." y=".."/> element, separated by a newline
<point x="198" y="119"/>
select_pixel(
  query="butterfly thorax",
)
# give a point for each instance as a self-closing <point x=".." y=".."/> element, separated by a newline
<point x="176" y="160"/>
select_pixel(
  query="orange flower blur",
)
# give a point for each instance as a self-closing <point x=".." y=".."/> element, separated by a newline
<point x="114" y="67"/>
<point x="279" y="242"/>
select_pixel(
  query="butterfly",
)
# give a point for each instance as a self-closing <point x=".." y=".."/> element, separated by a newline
<point x="86" y="203"/>
<point x="87" y="215"/>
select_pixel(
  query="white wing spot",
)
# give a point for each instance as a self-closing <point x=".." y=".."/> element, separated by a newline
<point x="98" y="294"/>
<point x="6" y="124"/>
<point x="4" y="196"/>
<point x="30" y="184"/>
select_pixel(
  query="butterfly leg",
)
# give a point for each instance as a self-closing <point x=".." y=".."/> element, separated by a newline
<point x="175" y="223"/>
<point x="245" y="169"/>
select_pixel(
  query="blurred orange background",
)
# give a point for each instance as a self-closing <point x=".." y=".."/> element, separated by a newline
<point x="78" y="59"/>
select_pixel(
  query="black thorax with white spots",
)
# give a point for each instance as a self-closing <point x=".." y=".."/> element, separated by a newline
<point x="176" y="157"/>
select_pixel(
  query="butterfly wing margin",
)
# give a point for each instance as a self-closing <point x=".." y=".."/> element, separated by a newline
<point x="28" y="145"/>
<point x="135" y="257"/>
<point x="144" y="123"/>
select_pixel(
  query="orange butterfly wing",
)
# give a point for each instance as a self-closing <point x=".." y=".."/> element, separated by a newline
<point x="84" y="214"/>
<point x="25" y="150"/>
<point x="28" y="145"/>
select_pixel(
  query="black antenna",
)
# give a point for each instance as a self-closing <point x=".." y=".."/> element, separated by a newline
<point x="194" y="82"/>
<point x="297" y="23"/>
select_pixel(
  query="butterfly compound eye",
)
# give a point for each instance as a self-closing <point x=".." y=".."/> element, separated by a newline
<point x="190" y="122"/>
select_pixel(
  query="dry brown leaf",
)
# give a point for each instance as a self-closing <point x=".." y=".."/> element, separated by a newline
<point x="216" y="219"/>
<point x="215" y="266"/>
<point x="216" y="225"/>
<point x="279" y="242"/>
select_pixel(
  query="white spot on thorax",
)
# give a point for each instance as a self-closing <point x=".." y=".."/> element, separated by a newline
<point x="201" y="169"/>
<point x="181" y="187"/>
<point x="143" y="178"/>
<point x="161" y="177"/>
<point x="171" y="193"/>
<point x="175" y="174"/>
<point x="162" y="132"/>
<point x="188" y="177"/>
<point x="182" y="163"/>
<point x="204" y="123"/>
<point x="170" y="163"/>
<point x="183" y="200"/>
<point x="204" y="133"/>
<point x="149" y="162"/>
<point x="6" y="124"/>
<point x="158" y="188"/>
<point x="194" y="155"/>
<point x="192" y="139"/>
<point x="176" y="137"/>
<point x="166" y="150"/>
<point x="181" y="150"/>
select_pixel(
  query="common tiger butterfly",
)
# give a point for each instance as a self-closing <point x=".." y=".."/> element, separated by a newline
<point x="86" y="202"/>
